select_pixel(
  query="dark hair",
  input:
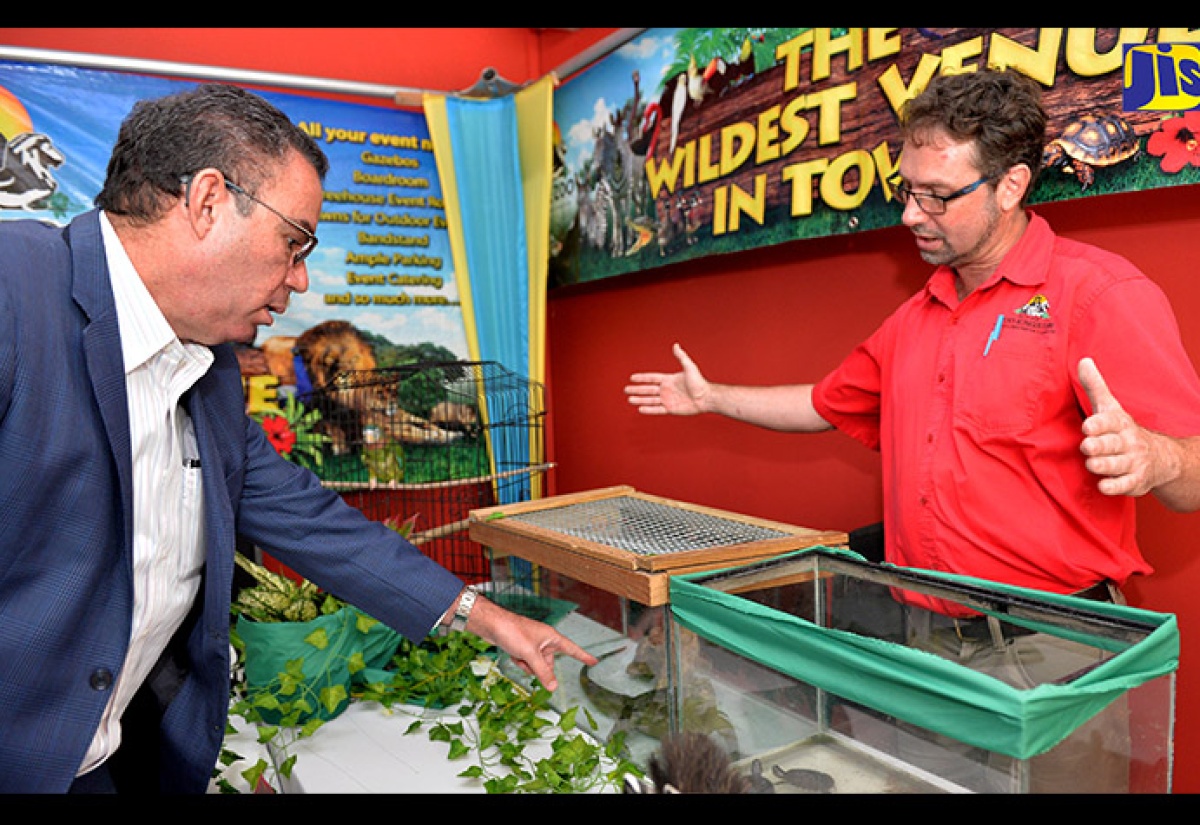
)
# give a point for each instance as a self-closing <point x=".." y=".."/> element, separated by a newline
<point x="212" y="125"/>
<point x="1000" y="110"/>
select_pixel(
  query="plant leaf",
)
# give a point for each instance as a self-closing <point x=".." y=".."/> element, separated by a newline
<point x="254" y="773"/>
<point x="363" y="623"/>
<point x="332" y="696"/>
<point x="285" y="768"/>
<point x="567" y="722"/>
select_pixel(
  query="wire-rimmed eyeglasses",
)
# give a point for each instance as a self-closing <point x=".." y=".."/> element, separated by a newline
<point x="300" y="249"/>
<point x="933" y="204"/>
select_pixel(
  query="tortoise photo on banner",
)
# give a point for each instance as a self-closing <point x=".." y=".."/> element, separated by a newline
<point x="1091" y="141"/>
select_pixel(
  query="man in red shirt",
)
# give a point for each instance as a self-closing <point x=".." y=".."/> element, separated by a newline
<point x="977" y="390"/>
<point x="1005" y="455"/>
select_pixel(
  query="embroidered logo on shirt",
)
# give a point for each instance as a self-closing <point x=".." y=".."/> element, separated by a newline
<point x="1036" y="307"/>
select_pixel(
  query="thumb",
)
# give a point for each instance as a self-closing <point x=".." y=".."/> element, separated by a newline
<point x="1096" y="388"/>
<point x="684" y="359"/>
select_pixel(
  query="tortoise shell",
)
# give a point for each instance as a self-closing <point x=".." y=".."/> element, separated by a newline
<point x="1100" y="140"/>
<point x="1091" y="141"/>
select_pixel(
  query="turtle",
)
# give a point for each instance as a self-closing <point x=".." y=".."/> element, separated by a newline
<point x="1089" y="141"/>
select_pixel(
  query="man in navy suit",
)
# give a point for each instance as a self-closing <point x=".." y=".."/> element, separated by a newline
<point x="128" y="468"/>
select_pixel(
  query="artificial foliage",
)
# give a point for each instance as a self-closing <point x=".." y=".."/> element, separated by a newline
<point x="496" y="721"/>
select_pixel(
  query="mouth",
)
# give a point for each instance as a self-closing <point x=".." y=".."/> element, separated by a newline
<point x="926" y="242"/>
<point x="268" y="314"/>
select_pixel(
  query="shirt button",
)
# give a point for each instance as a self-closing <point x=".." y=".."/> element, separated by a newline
<point x="101" y="679"/>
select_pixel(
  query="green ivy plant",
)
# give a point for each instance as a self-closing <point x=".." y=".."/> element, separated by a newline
<point x="452" y="671"/>
<point x="446" y="672"/>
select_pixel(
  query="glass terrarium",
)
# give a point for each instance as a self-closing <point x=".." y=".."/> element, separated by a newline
<point x="826" y="673"/>
<point x="597" y="565"/>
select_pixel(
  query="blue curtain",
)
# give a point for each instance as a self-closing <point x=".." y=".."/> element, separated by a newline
<point x="485" y="144"/>
<point x="494" y="161"/>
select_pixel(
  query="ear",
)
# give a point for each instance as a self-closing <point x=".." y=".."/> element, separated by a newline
<point x="1011" y="188"/>
<point x="201" y="197"/>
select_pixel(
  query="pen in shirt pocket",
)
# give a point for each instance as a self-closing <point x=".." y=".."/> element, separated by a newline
<point x="995" y="336"/>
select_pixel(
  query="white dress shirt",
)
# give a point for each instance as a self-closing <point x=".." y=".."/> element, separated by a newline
<point x="168" y="543"/>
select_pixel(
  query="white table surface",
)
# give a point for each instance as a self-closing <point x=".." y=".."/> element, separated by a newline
<point x="365" y="750"/>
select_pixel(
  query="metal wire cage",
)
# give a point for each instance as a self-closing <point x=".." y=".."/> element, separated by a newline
<point x="420" y="446"/>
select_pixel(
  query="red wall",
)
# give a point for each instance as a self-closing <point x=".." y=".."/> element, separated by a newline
<point x="778" y="314"/>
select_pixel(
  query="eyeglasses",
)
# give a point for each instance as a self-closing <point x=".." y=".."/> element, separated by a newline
<point x="933" y="204"/>
<point x="302" y="249"/>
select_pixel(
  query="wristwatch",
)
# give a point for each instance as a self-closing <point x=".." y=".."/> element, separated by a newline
<point x="463" y="611"/>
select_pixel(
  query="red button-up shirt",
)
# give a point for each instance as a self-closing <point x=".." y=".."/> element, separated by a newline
<point x="977" y="409"/>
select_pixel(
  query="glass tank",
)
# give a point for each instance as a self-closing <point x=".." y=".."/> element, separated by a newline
<point x="817" y="671"/>
<point x="826" y="673"/>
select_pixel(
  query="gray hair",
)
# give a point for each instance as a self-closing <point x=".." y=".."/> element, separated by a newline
<point x="210" y="126"/>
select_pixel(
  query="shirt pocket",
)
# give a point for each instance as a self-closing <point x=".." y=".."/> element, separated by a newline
<point x="1003" y="392"/>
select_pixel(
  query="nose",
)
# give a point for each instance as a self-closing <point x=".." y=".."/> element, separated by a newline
<point x="913" y="214"/>
<point x="297" y="278"/>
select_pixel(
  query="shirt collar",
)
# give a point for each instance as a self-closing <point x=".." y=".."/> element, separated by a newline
<point x="1026" y="264"/>
<point x="144" y="329"/>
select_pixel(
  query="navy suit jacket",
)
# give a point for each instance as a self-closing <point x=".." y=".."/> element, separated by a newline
<point x="66" y="522"/>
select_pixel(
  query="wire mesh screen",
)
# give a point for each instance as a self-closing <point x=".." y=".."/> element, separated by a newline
<point x="420" y="446"/>
<point x="645" y="527"/>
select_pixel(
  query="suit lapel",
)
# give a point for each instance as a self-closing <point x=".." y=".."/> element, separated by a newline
<point x="219" y="530"/>
<point x="102" y="348"/>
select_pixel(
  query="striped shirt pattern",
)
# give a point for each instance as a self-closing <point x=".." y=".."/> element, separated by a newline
<point x="168" y="544"/>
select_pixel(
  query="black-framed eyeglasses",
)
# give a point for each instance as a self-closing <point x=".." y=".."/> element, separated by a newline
<point x="301" y="249"/>
<point x="934" y="204"/>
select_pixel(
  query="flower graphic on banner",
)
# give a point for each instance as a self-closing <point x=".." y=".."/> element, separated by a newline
<point x="279" y="433"/>
<point x="292" y="433"/>
<point x="1177" y="142"/>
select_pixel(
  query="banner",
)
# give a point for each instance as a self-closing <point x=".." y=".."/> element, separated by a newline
<point x="692" y="142"/>
<point x="383" y="267"/>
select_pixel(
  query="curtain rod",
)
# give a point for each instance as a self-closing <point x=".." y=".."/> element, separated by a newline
<point x="598" y="50"/>
<point x="490" y="84"/>
<point x="198" y="71"/>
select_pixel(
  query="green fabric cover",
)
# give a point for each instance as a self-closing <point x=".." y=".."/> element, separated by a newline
<point x="330" y="647"/>
<point x="920" y="687"/>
